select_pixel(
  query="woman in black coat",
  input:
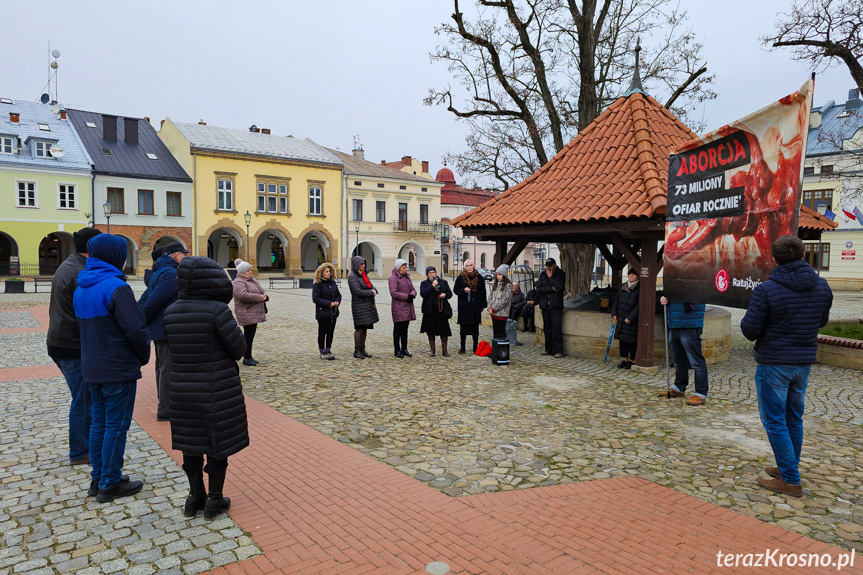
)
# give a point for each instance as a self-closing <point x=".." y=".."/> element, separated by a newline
<point x="208" y="412"/>
<point x="469" y="287"/>
<point x="625" y="311"/>
<point x="326" y="297"/>
<point x="436" y="309"/>
<point x="363" y="306"/>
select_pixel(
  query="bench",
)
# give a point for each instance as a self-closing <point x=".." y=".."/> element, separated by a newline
<point x="42" y="281"/>
<point x="279" y="279"/>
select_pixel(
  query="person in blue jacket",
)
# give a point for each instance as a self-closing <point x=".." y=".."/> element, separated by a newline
<point x="160" y="293"/>
<point x="114" y="346"/>
<point x="784" y="316"/>
<point x="685" y="324"/>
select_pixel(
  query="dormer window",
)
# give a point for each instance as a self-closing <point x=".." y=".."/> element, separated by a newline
<point x="6" y="145"/>
<point x="44" y="127"/>
<point x="5" y="101"/>
<point x="42" y="149"/>
<point x="106" y="151"/>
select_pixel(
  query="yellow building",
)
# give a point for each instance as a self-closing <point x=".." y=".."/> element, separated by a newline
<point x="283" y="193"/>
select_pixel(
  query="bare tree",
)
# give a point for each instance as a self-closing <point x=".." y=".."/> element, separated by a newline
<point x="531" y="73"/>
<point x="824" y="33"/>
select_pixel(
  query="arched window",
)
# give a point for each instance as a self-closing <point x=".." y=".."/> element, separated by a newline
<point x="465" y="256"/>
<point x="445" y="263"/>
<point x="482" y="261"/>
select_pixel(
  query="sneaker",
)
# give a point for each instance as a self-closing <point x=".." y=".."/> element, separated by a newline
<point x="325" y="355"/>
<point x="93" y="491"/>
<point x="778" y="485"/>
<point x="330" y="356"/>
<point x="772" y="471"/>
<point x="674" y="394"/>
<point x="558" y="355"/>
<point x="696" y="400"/>
<point x="119" y="489"/>
<point x="83" y="460"/>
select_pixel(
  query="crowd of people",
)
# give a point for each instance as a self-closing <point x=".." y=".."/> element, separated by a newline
<point x="99" y="336"/>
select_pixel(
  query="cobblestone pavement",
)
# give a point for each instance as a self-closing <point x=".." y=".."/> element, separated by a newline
<point x="459" y="424"/>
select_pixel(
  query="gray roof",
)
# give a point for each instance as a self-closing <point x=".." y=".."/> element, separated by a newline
<point x="212" y="138"/>
<point x="357" y="167"/>
<point x="837" y="122"/>
<point x="127" y="159"/>
<point x="61" y="132"/>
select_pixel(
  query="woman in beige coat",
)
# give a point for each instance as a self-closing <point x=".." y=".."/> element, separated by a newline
<point x="249" y="306"/>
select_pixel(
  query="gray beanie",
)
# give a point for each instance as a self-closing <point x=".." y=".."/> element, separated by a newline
<point x="502" y="269"/>
<point x="400" y="263"/>
<point x="242" y="266"/>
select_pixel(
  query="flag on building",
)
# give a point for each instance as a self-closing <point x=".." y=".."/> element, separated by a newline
<point x="830" y="215"/>
<point x="859" y="215"/>
<point x="849" y="215"/>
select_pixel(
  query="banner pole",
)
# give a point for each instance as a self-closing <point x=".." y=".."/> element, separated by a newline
<point x="667" y="370"/>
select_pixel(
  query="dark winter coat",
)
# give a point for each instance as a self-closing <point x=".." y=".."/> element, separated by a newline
<point x="470" y="308"/>
<point x="363" y="307"/>
<point x="403" y="294"/>
<point x="64" y="339"/>
<point x="160" y="293"/>
<point x="114" y="340"/>
<point x="208" y="412"/>
<point x="324" y="293"/>
<point x="785" y="314"/>
<point x="626" y="307"/>
<point x="435" y="309"/>
<point x="546" y="286"/>
<point x="516" y="305"/>
<point x="685" y="315"/>
<point x="248" y="305"/>
<point x="431" y="295"/>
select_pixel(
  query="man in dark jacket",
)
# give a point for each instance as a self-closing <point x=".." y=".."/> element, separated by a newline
<point x="784" y="316"/>
<point x="114" y="346"/>
<point x="527" y="313"/>
<point x="64" y="345"/>
<point x="155" y="254"/>
<point x="550" y="288"/>
<point x="685" y="324"/>
<point x="160" y="293"/>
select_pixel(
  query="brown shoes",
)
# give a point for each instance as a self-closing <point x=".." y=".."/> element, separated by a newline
<point x="544" y="353"/>
<point x="558" y="355"/>
<point x="778" y="485"/>
<point x="772" y="471"/>
<point x="674" y="394"/>
<point x="696" y="400"/>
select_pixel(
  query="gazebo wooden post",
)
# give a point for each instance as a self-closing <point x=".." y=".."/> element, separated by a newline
<point x="616" y="268"/>
<point x="647" y="302"/>
<point x="499" y="252"/>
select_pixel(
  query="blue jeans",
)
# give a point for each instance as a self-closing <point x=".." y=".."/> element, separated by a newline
<point x="781" y="398"/>
<point x="112" y="414"/>
<point x="80" y="414"/>
<point x="685" y="345"/>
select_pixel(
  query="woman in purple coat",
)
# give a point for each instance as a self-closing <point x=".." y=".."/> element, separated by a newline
<point x="249" y="306"/>
<point x="403" y="293"/>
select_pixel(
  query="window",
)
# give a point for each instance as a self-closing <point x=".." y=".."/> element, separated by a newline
<point x="173" y="203"/>
<point x="262" y="203"/>
<point x="380" y="211"/>
<point x="425" y="189"/>
<point x="115" y="198"/>
<point x="67" y="197"/>
<point x="358" y="210"/>
<point x="90" y="124"/>
<point x="812" y="256"/>
<point x="106" y="151"/>
<point x="5" y="101"/>
<point x="315" y="197"/>
<point x="356" y="183"/>
<point x="482" y="261"/>
<point x="403" y="187"/>
<point x="811" y="198"/>
<point x="380" y="185"/>
<point x="283" y="205"/>
<point x="151" y="156"/>
<point x="283" y="189"/>
<point x="6" y="145"/>
<point x="403" y="216"/>
<point x="827" y="170"/>
<point x="269" y="192"/>
<point x="424" y="213"/>
<point x="809" y="171"/>
<point x="271" y="204"/>
<point x="44" y="127"/>
<point x="145" y="202"/>
<point x="42" y="149"/>
<point x="27" y="195"/>
<point x="226" y="195"/>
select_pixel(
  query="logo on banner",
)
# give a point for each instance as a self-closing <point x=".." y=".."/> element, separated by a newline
<point x="722" y="280"/>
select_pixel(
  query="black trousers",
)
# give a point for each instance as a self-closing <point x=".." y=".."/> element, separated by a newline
<point x="400" y="335"/>
<point x="249" y="333"/>
<point x="527" y="315"/>
<point x="552" y="321"/>
<point x="498" y="327"/>
<point x="326" y="327"/>
<point x="628" y="350"/>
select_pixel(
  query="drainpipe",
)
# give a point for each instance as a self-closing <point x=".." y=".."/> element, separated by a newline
<point x="93" y="198"/>
<point x="342" y="228"/>
<point x="195" y="203"/>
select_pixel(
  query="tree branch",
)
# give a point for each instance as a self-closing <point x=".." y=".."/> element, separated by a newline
<point x="684" y="86"/>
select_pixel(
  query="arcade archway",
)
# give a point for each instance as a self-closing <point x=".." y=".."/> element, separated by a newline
<point x="313" y="250"/>
<point x="8" y="250"/>
<point x="272" y="250"/>
<point x="373" y="255"/>
<point x="224" y="246"/>
<point x="415" y="255"/>
<point x="53" y="250"/>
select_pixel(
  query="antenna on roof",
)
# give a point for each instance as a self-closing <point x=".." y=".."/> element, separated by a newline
<point x="358" y="144"/>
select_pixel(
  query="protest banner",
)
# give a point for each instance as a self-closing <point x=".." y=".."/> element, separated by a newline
<point x="731" y="193"/>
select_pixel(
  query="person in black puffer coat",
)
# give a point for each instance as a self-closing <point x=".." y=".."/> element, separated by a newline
<point x="327" y="298"/>
<point x="625" y="311"/>
<point x="208" y="412"/>
<point x="363" y="306"/>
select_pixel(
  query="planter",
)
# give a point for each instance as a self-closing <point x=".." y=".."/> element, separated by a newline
<point x="14" y="286"/>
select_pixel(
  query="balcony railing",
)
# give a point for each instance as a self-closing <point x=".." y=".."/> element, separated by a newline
<point x="414" y="227"/>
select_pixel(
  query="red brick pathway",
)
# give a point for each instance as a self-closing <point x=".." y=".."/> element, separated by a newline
<point x="315" y="505"/>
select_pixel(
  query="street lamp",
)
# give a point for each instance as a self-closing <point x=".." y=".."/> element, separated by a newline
<point x="357" y="229"/>
<point x="248" y="217"/>
<point x="107" y="208"/>
<point x="822" y="209"/>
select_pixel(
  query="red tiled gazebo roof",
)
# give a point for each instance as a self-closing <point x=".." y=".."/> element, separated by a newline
<point x="616" y="168"/>
<point x="812" y="220"/>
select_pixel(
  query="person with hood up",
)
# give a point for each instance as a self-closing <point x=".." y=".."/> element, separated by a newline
<point x="499" y="301"/>
<point x="436" y="310"/>
<point x="208" y="411"/>
<point x="327" y="299"/>
<point x="160" y="293"/>
<point x="363" y="308"/>
<point x="64" y="345"/>
<point x="625" y="312"/>
<point x="783" y="318"/>
<point x="469" y="288"/>
<point x="114" y="346"/>
<point x="403" y="294"/>
<point x="249" y="305"/>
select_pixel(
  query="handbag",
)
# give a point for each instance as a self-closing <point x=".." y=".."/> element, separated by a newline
<point x="265" y="308"/>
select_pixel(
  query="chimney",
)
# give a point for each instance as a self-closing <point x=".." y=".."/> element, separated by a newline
<point x="854" y="101"/>
<point x="407" y="160"/>
<point x="425" y="167"/>
<point x="62" y="114"/>
<point x="162" y="124"/>
<point x="383" y="162"/>
<point x="265" y="130"/>
<point x="359" y="154"/>
<point x="130" y="128"/>
<point x="14" y="117"/>
<point x="253" y="128"/>
<point x="814" y="119"/>
<point x="109" y="127"/>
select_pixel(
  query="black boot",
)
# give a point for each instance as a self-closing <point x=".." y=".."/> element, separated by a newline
<point x="359" y="354"/>
<point x="365" y="353"/>
<point x="216" y="503"/>
<point x="461" y="350"/>
<point x="194" y="468"/>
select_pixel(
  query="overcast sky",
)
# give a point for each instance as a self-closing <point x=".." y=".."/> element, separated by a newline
<point x="326" y="69"/>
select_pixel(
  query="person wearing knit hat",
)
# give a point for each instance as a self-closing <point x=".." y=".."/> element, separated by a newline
<point x="249" y="306"/>
<point x="499" y="301"/>
<point x="403" y="294"/>
<point x="64" y="344"/>
<point x="436" y="310"/>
